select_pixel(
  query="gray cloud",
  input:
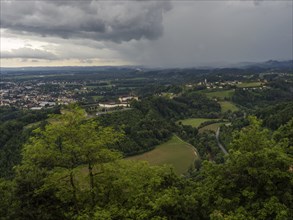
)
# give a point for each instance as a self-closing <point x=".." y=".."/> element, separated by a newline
<point x="28" y="53"/>
<point x="218" y="32"/>
<point x="192" y="33"/>
<point x="92" y="19"/>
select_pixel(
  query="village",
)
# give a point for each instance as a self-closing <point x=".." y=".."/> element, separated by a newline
<point x="35" y="95"/>
<point x="104" y="95"/>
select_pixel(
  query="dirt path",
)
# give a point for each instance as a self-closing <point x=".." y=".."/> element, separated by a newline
<point x="193" y="148"/>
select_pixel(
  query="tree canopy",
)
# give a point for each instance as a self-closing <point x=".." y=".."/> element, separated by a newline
<point x="255" y="182"/>
<point x="69" y="172"/>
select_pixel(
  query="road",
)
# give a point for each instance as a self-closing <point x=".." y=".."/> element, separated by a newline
<point x="219" y="144"/>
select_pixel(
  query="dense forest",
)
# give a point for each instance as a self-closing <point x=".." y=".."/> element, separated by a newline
<point x="67" y="172"/>
<point x="14" y="132"/>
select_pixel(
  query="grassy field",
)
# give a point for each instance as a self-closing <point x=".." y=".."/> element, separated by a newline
<point x="194" y="122"/>
<point x="92" y="87"/>
<point x="175" y="152"/>
<point x="211" y="127"/>
<point x="249" y="84"/>
<point x="99" y="86"/>
<point x="97" y="97"/>
<point x="222" y="94"/>
<point x="225" y="106"/>
<point x="35" y="124"/>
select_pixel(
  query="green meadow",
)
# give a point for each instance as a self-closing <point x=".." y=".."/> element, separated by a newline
<point x="211" y="127"/>
<point x="221" y="94"/>
<point x="249" y="84"/>
<point x="226" y="106"/>
<point x="194" y="122"/>
<point x="175" y="152"/>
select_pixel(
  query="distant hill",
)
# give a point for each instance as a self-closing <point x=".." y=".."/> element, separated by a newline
<point x="270" y="64"/>
<point x="69" y="69"/>
<point x="256" y="66"/>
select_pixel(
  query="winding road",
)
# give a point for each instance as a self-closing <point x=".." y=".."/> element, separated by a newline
<point x="219" y="144"/>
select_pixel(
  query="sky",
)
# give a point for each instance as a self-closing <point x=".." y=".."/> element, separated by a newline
<point x="158" y="33"/>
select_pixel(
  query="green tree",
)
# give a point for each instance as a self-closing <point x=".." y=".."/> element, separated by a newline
<point x="255" y="182"/>
<point x="284" y="134"/>
<point x="55" y="158"/>
<point x="8" y="204"/>
<point x="135" y="190"/>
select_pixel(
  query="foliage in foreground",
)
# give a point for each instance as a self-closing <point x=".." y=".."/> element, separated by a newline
<point x="255" y="182"/>
<point x="67" y="172"/>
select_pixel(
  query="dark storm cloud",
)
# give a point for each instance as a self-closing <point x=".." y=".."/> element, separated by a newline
<point x="99" y="20"/>
<point x="218" y="33"/>
<point x="193" y="33"/>
<point x="28" y="53"/>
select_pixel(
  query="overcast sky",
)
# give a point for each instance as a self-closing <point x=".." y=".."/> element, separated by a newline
<point x="151" y="33"/>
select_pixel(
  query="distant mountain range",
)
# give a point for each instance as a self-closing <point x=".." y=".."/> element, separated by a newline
<point x="67" y="68"/>
<point x="271" y="64"/>
<point x="268" y="65"/>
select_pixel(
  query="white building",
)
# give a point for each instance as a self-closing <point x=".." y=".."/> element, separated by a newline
<point x="44" y="104"/>
<point x="127" y="98"/>
<point x="113" y="105"/>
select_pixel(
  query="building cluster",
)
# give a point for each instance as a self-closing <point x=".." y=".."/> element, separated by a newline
<point x="33" y="95"/>
<point x="124" y="101"/>
<point x="38" y="94"/>
<point x="214" y="85"/>
<point x="219" y="85"/>
<point x="228" y="84"/>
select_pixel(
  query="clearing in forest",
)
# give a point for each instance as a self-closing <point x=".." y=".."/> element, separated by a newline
<point x="220" y="95"/>
<point x="195" y="122"/>
<point x="175" y="152"/>
<point x="212" y="127"/>
<point x="249" y="84"/>
<point x="226" y="106"/>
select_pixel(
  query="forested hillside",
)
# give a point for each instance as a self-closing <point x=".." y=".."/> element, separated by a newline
<point x="67" y="172"/>
<point x="152" y="120"/>
<point x="14" y="134"/>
